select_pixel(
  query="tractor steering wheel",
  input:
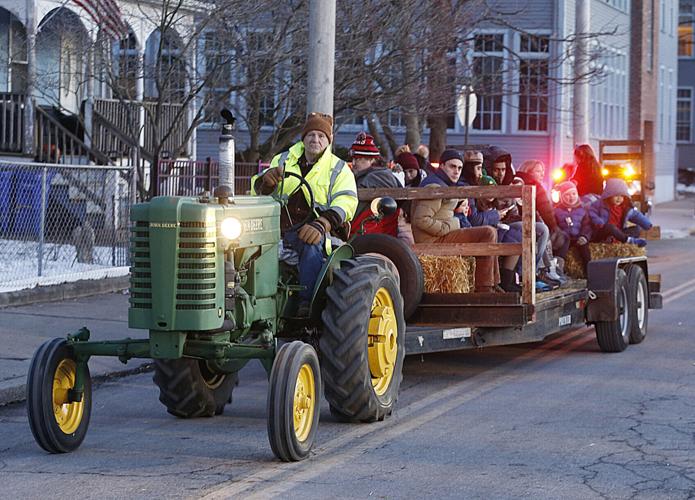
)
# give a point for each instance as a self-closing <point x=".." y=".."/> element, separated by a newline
<point x="282" y="199"/>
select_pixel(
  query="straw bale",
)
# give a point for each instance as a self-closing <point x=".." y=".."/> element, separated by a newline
<point x="448" y="274"/>
<point x="573" y="264"/>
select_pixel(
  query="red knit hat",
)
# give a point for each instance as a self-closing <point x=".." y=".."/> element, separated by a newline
<point x="565" y="187"/>
<point x="364" y="147"/>
<point x="407" y="161"/>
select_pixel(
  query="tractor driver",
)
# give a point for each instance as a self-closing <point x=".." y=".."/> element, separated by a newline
<point x="335" y="199"/>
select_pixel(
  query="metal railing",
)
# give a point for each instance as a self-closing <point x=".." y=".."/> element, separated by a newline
<point x="188" y="178"/>
<point x="52" y="228"/>
<point x="11" y="122"/>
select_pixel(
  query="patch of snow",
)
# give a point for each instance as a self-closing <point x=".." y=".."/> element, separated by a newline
<point x="19" y="264"/>
<point x="682" y="188"/>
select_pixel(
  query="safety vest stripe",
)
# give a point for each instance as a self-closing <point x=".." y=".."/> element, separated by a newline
<point x="334" y="175"/>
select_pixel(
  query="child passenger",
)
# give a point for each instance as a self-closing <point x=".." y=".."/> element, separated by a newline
<point x="572" y="219"/>
<point x="609" y="215"/>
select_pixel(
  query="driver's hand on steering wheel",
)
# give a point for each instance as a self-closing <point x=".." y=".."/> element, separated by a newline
<point x="272" y="177"/>
<point x="312" y="232"/>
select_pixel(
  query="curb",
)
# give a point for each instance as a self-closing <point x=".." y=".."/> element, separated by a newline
<point x="17" y="394"/>
<point x="63" y="291"/>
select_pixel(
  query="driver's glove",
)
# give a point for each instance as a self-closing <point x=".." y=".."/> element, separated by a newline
<point x="312" y="232"/>
<point x="272" y="177"/>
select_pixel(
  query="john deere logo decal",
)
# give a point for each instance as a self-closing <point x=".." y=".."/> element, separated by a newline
<point x="252" y="225"/>
<point x="166" y="225"/>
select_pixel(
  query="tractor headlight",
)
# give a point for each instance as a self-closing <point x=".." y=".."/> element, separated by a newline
<point x="231" y="228"/>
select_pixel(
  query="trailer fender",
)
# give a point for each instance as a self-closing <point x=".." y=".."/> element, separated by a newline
<point x="601" y="284"/>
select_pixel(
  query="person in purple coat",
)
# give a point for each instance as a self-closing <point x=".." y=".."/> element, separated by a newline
<point x="573" y="220"/>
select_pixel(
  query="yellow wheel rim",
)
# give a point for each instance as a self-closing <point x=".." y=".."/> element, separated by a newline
<point x="382" y="343"/>
<point x="211" y="379"/>
<point x="68" y="415"/>
<point x="304" y="402"/>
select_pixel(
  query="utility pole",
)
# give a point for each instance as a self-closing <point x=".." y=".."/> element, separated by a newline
<point x="321" y="56"/>
<point x="28" y="146"/>
<point x="582" y="27"/>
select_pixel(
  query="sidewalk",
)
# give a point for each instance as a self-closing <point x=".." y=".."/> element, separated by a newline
<point x="676" y="218"/>
<point x="24" y="328"/>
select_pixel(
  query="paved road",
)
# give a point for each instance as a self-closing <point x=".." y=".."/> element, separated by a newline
<point x="553" y="420"/>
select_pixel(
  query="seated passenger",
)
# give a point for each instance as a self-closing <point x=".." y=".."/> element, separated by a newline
<point x="609" y="214"/>
<point x="573" y="220"/>
<point x="368" y="174"/>
<point x="433" y="221"/>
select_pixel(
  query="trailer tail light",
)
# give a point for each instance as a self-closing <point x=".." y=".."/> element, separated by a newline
<point x="558" y="175"/>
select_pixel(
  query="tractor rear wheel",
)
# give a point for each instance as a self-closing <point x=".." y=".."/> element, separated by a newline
<point x="58" y="424"/>
<point x="363" y="341"/>
<point x="189" y="389"/>
<point x="294" y="396"/>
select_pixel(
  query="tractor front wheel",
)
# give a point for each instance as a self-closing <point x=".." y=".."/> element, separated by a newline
<point x="189" y="389"/>
<point x="363" y="341"/>
<point x="58" y="422"/>
<point x="294" y="395"/>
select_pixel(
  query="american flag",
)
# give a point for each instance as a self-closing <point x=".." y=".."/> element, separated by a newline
<point x="107" y="16"/>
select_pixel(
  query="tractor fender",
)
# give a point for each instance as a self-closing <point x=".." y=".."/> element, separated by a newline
<point x="318" y="297"/>
<point x="601" y="286"/>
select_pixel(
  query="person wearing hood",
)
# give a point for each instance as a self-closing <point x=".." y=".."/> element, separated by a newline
<point x="414" y="175"/>
<point x="434" y="221"/>
<point x="369" y="174"/>
<point x="609" y="214"/>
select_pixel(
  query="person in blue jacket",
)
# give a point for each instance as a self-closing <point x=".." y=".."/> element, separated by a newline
<point x="573" y="220"/>
<point x="609" y="215"/>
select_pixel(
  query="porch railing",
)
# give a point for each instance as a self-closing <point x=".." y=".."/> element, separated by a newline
<point x="123" y="116"/>
<point x="11" y="122"/>
<point x="188" y="178"/>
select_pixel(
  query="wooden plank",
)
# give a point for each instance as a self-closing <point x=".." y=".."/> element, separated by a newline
<point x="470" y="298"/>
<point x="654" y="233"/>
<point x="442" y="192"/>
<point x="622" y="143"/>
<point x="467" y="249"/>
<point x="528" y="239"/>
<point x="622" y="156"/>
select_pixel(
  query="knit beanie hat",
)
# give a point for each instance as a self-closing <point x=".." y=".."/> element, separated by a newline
<point x="615" y="187"/>
<point x="566" y="187"/>
<point x="472" y="156"/>
<point x="364" y="147"/>
<point x="321" y="122"/>
<point x="407" y="161"/>
<point x="449" y="154"/>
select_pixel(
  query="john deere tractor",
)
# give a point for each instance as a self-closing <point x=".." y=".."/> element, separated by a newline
<point x="207" y="284"/>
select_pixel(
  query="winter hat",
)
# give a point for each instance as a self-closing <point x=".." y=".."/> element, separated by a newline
<point x="449" y="154"/>
<point x="566" y="187"/>
<point x="472" y="156"/>
<point x="364" y="147"/>
<point x="407" y="161"/>
<point x="321" y="122"/>
<point x="615" y="187"/>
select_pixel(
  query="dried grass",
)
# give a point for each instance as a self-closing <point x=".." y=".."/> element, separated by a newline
<point x="450" y="274"/>
<point x="573" y="264"/>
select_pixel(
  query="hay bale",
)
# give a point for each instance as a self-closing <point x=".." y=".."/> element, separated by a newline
<point x="450" y="274"/>
<point x="573" y="263"/>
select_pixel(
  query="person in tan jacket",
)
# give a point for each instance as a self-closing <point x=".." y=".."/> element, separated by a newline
<point x="433" y="221"/>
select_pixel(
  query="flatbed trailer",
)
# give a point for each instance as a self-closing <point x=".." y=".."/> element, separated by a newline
<point x="615" y="297"/>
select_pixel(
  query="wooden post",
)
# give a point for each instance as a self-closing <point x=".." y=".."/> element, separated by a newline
<point x="528" y="243"/>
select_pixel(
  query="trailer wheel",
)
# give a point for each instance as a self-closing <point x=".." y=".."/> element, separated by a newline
<point x="614" y="336"/>
<point x="412" y="282"/>
<point x="639" y="303"/>
<point x="294" y="396"/>
<point x="189" y="389"/>
<point x="58" y="425"/>
<point x="363" y="341"/>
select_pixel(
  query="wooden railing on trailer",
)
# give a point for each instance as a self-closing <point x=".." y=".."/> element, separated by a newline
<point x="507" y="309"/>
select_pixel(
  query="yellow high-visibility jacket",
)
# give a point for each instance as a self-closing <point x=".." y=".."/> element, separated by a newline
<point x="331" y="181"/>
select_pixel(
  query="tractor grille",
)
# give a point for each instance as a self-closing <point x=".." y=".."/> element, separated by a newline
<point x="140" y="274"/>
<point x="196" y="273"/>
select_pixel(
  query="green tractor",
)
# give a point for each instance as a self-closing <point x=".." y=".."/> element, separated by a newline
<point x="207" y="283"/>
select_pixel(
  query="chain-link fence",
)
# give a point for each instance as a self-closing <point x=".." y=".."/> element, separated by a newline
<point x="62" y="222"/>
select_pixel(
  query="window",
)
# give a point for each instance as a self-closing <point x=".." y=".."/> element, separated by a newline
<point x="217" y="73"/>
<point x="488" y="80"/>
<point x="126" y="71"/>
<point x="533" y="83"/>
<point x="685" y="28"/>
<point x="684" y="110"/>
